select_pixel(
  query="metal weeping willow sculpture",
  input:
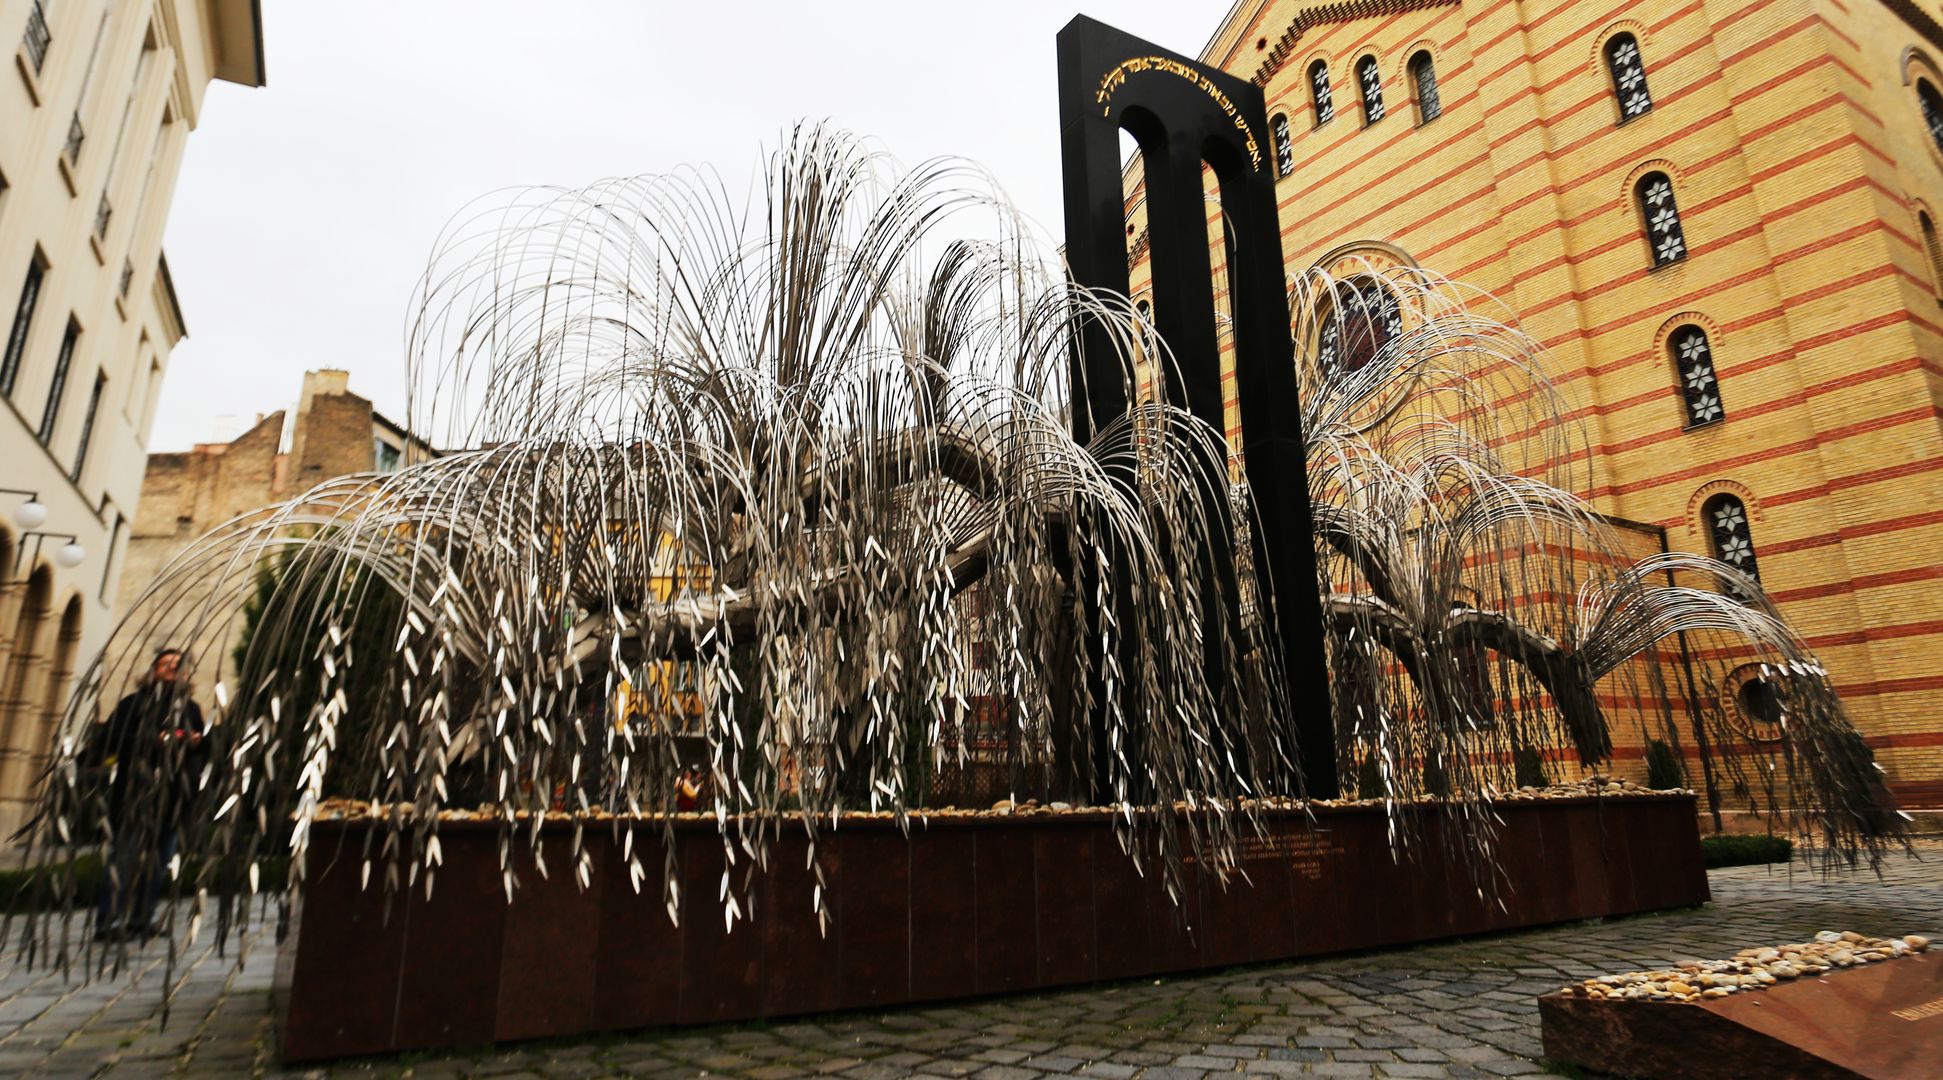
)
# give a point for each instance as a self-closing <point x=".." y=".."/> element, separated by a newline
<point x="788" y="479"/>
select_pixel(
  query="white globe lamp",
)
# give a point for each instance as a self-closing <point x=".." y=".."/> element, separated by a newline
<point x="70" y="555"/>
<point x="31" y="514"/>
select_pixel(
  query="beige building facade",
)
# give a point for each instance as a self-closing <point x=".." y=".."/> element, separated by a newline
<point x="95" y="109"/>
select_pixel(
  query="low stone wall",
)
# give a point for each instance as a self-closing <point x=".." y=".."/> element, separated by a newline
<point x="966" y="906"/>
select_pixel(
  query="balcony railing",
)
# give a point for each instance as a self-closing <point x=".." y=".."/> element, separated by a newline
<point x="37" y="36"/>
<point x="76" y="135"/>
<point x="102" y="215"/>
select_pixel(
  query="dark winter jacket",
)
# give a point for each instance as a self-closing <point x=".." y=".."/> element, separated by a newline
<point x="151" y="753"/>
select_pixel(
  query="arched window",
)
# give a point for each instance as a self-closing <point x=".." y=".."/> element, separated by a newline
<point x="1934" y="249"/>
<point x="1726" y="520"/>
<point x="1319" y="91"/>
<point x="1628" y="77"/>
<point x="1693" y="358"/>
<point x="1360" y="318"/>
<point x="1661" y="215"/>
<point x="1932" y="103"/>
<point x="1278" y="127"/>
<point x="1423" y="71"/>
<point x="1370" y="78"/>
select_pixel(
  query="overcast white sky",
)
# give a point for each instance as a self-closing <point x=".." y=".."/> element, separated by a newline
<point x="306" y="210"/>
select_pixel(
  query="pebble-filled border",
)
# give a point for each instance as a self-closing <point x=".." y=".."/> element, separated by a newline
<point x="1750" y="969"/>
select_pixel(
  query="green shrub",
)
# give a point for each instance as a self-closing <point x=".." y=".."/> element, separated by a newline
<point x="49" y="887"/>
<point x="1663" y="770"/>
<point x="1436" y="780"/>
<point x="40" y="888"/>
<point x="1529" y="768"/>
<point x="1728" y="850"/>
<point x="1369" y="780"/>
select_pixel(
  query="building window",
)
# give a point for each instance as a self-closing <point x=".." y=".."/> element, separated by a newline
<point x="1933" y="249"/>
<point x="1360" y="318"/>
<point x="1661" y="214"/>
<point x="1319" y="91"/>
<point x="1932" y="103"/>
<point x="1370" y="78"/>
<point x="51" y="413"/>
<point x="1628" y="77"/>
<point x="384" y="456"/>
<point x="1278" y="126"/>
<point x="87" y="425"/>
<point x="108" y="557"/>
<point x="23" y="321"/>
<point x="1693" y="358"/>
<point x="1423" y="71"/>
<point x="36" y="39"/>
<point x="1733" y="543"/>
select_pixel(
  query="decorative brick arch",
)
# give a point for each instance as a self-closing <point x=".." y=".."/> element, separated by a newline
<point x="1673" y="172"/>
<point x="1624" y="26"/>
<point x="23" y="687"/>
<point x="1410" y="51"/>
<point x="1380" y="254"/>
<point x="1917" y="65"/>
<point x="1932" y="256"/>
<point x="1687" y="318"/>
<point x="1918" y="62"/>
<point x="1697" y="529"/>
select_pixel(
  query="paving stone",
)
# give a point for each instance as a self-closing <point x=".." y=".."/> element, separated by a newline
<point x="1006" y="1072"/>
<point x="1461" y="1009"/>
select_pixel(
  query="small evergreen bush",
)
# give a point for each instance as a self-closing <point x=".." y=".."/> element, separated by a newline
<point x="47" y="888"/>
<point x="1663" y="772"/>
<point x="1369" y="780"/>
<point x="37" y="888"/>
<point x="1436" y="780"/>
<point x="1529" y="768"/>
<point x="1728" y="850"/>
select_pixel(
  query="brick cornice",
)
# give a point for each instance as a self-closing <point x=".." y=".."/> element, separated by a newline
<point x="1919" y="20"/>
<point x="1342" y="11"/>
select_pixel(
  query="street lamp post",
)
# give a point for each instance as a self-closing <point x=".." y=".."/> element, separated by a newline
<point x="30" y="516"/>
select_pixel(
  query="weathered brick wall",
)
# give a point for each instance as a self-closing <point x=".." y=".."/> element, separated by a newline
<point x="336" y="441"/>
<point x="185" y="495"/>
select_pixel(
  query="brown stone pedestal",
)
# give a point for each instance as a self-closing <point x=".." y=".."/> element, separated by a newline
<point x="1881" y="1021"/>
<point x="964" y="906"/>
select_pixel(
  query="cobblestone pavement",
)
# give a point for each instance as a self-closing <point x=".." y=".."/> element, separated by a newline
<point x="1459" y="1009"/>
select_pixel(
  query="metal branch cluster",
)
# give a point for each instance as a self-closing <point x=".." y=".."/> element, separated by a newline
<point x="787" y="483"/>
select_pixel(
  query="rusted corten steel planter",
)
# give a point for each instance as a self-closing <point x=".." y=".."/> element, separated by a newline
<point x="968" y="906"/>
<point x="1883" y="1021"/>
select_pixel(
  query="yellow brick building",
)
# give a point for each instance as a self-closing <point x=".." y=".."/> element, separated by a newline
<point x="1535" y="149"/>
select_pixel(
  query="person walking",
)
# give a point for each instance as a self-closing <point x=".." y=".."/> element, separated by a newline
<point x="151" y="749"/>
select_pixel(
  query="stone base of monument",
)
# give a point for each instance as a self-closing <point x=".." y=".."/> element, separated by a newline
<point x="1881" y="1021"/>
<point x="966" y="906"/>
